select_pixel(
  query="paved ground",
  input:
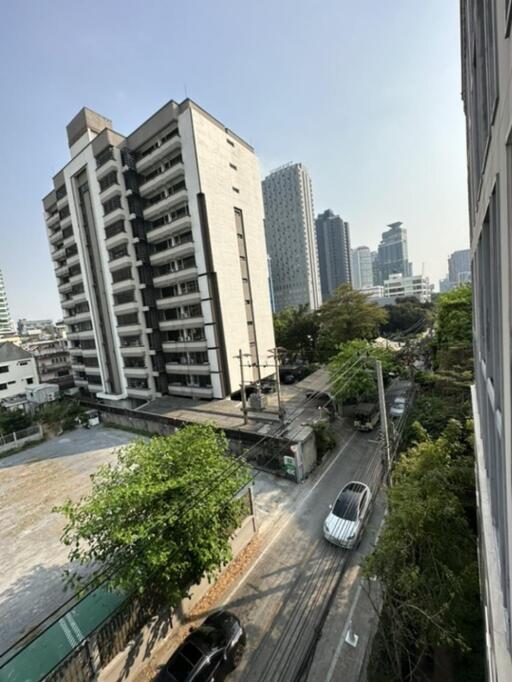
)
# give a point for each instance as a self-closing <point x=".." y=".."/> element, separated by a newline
<point x="32" y="482"/>
<point x="284" y="599"/>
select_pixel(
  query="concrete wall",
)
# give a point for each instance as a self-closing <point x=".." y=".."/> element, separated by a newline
<point x="17" y="378"/>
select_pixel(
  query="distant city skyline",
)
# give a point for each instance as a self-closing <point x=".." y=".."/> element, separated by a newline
<point x="392" y="150"/>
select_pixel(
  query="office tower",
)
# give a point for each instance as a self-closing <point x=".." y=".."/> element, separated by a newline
<point x="445" y="285"/>
<point x="291" y="238"/>
<point x="6" y="326"/>
<point x="362" y="268"/>
<point x="333" y="243"/>
<point x="392" y="254"/>
<point x="158" y="244"/>
<point x="459" y="267"/>
<point x="486" y="82"/>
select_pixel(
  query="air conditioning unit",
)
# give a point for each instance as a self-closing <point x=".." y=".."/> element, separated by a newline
<point x="257" y="401"/>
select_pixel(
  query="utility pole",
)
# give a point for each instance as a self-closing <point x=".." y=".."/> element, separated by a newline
<point x="275" y="354"/>
<point x="383" y="418"/>
<point x="244" y="397"/>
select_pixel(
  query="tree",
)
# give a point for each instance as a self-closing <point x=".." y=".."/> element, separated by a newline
<point x="359" y="384"/>
<point x="162" y="516"/>
<point x="426" y="558"/>
<point x="407" y="315"/>
<point x="348" y="315"/>
<point x="296" y="330"/>
<point x="13" y="420"/>
<point x="454" y="328"/>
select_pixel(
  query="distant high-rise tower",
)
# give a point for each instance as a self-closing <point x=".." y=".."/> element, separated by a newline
<point x="291" y="237"/>
<point x="459" y="267"/>
<point x="6" y="325"/>
<point x="333" y="242"/>
<point x="362" y="268"/>
<point x="392" y="256"/>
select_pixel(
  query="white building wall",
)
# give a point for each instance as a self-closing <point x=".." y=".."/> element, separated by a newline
<point x="20" y="374"/>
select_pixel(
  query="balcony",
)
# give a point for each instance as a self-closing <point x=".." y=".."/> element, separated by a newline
<point x="109" y="191"/>
<point x="76" y="279"/>
<point x="135" y="371"/>
<point x="183" y="368"/>
<point x="89" y="352"/>
<point x="68" y="241"/>
<point x="168" y="229"/>
<point x="128" y="329"/>
<point x="78" y="365"/>
<point x="123" y="285"/>
<point x="146" y="188"/>
<point x="63" y="201"/>
<point x="55" y="237"/>
<point x="92" y="370"/>
<point x="95" y="388"/>
<point x="130" y="351"/>
<point x="64" y="287"/>
<point x="106" y="167"/>
<point x="164" y="204"/>
<point x="62" y="270"/>
<point x="53" y="219"/>
<point x="128" y="307"/>
<point x="177" y="251"/>
<point x="59" y="253"/>
<point x="65" y="222"/>
<point x="170" y="302"/>
<point x="176" y="276"/>
<point x="74" y="259"/>
<point x="86" y="334"/>
<point x="119" y="263"/>
<point x="181" y="323"/>
<point x="199" y="344"/>
<point x="80" y="382"/>
<point x="192" y="391"/>
<point x="79" y="317"/>
<point x="117" y="239"/>
<point x="158" y="153"/>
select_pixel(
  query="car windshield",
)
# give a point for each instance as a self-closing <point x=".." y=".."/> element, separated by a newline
<point x="212" y="636"/>
<point x="399" y="401"/>
<point x="345" y="506"/>
<point x="182" y="664"/>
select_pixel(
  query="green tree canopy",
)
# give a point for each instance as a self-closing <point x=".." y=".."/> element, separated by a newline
<point x="407" y="314"/>
<point x="296" y="330"/>
<point x="13" y="420"/>
<point x="454" y="330"/>
<point x="348" y="315"/>
<point x="162" y="515"/>
<point x="360" y="383"/>
<point x="425" y="559"/>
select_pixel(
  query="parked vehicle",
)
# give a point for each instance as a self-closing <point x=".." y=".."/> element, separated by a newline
<point x="209" y="653"/>
<point x="366" y="416"/>
<point x="398" y="407"/>
<point x="345" y="523"/>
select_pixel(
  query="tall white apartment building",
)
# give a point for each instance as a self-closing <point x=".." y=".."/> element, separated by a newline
<point x="400" y="286"/>
<point x="158" y="244"/>
<point x="362" y="268"/>
<point x="6" y="326"/>
<point x="291" y="237"/>
<point x="486" y="50"/>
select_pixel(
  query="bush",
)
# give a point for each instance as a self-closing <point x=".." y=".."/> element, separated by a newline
<point x="324" y="437"/>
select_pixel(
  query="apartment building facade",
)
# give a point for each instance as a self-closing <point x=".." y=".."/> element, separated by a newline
<point x="291" y="237"/>
<point x="333" y="244"/>
<point x="17" y="370"/>
<point x="459" y="267"/>
<point x="362" y="268"/>
<point x="53" y="361"/>
<point x="486" y="51"/>
<point x="158" y="244"/>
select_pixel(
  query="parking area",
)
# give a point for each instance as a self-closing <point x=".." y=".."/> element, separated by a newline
<point x="32" y="482"/>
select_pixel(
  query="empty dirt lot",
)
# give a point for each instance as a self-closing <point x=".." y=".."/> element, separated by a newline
<point x="32" y="557"/>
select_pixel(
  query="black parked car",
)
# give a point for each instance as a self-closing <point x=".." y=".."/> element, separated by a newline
<point x="209" y="653"/>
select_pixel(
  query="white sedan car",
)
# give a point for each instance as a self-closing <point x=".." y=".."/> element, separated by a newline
<point x="398" y="407"/>
<point x="345" y="523"/>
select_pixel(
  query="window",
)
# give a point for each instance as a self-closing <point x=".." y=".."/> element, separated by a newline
<point x="124" y="297"/>
<point x="232" y="165"/>
<point x="104" y="156"/>
<point x="112" y="204"/>
<point x="236" y="190"/>
<point x="4" y="369"/>
<point x="64" y="212"/>
<point x="230" y="142"/>
<point x="3" y="387"/>
<point x="61" y="192"/>
<point x="130" y="341"/>
<point x="122" y="274"/>
<point x="22" y="363"/>
<point x="30" y="380"/>
<point x="126" y="320"/>
<point x="109" y="180"/>
<point x="137" y="383"/>
<point x="115" y="228"/>
<point x="118" y="252"/>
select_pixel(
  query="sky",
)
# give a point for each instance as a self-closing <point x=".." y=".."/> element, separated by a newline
<point x="366" y="95"/>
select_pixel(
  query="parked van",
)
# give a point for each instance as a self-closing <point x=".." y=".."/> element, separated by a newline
<point x="366" y="416"/>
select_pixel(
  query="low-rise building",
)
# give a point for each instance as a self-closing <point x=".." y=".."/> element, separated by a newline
<point x="17" y="370"/>
<point x="400" y="286"/>
<point x="53" y="361"/>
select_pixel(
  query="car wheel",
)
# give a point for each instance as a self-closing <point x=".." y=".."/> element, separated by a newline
<point x="235" y="657"/>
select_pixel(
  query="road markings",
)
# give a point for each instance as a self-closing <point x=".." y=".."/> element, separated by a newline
<point x="285" y="524"/>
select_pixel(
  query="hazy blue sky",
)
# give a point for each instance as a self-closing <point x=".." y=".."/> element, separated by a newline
<point x="366" y="94"/>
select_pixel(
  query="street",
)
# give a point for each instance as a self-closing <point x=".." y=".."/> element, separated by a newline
<point x="284" y="599"/>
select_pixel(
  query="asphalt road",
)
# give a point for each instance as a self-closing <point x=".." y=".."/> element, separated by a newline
<point x="284" y="599"/>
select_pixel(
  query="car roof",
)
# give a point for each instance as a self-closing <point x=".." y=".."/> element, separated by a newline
<point x="354" y="487"/>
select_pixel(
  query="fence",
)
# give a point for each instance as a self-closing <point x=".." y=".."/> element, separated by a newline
<point x="18" y="439"/>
